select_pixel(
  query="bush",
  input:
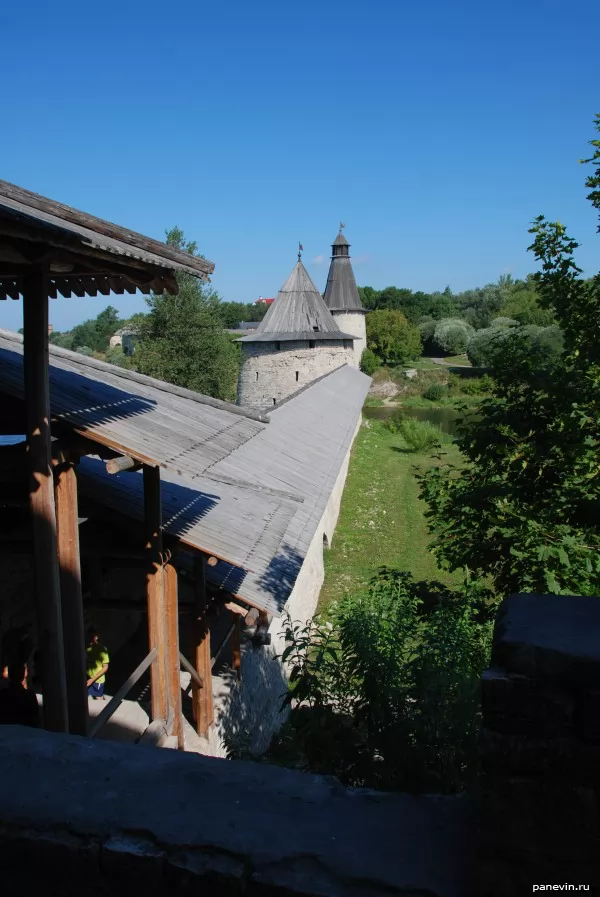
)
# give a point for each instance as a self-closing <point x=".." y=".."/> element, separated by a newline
<point x="395" y="420"/>
<point x="426" y="331"/>
<point x="386" y="694"/>
<point x="420" y="435"/>
<point x="85" y="350"/>
<point x="503" y="322"/>
<point x="451" y="336"/>
<point x="482" y="345"/>
<point x="435" y="392"/>
<point x="544" y="344"/>
<point x="369" y="362"/>
<point x="391" y="337"/>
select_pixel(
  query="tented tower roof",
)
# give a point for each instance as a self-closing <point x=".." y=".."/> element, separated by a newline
<point x="341" y="292"/>
<point x="298" y="313"/>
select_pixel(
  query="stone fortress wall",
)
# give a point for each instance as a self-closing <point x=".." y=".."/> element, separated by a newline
<point x="269" y="375"/>
<point x="248" y="714"/>
<point x="353" y="322"/>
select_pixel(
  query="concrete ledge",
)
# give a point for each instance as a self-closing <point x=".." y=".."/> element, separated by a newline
<point x="109" y="817"/>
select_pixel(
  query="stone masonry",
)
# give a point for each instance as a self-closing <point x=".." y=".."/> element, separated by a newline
<point x="269" y="375"/>
<point x="112" y="820"/>
<point x="353" y="322"/>
<point x="541" y="746"/>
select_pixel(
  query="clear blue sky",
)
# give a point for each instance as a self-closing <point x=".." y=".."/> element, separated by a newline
<point x="435" y="130"/>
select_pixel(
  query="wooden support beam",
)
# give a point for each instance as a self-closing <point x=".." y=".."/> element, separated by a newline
<point x="122" y="462"/>
<point x="41" y="491"/>
<point x="67" y="527"/>
<point x="236" y="647"/>
<point x="202" y="698"/>
<point x="172" y="650"/>
<point x="155" y="591"/>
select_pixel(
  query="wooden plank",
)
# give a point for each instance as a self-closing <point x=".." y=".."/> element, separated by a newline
<point x="172" y="652"/>
<point x="123" y="462"/>
<point x="202" y="698"/>
<point x="49" y="618"/>
<point x="115" y="701"/>
<point x="236" y="647"/>
<point x="155" y="591"/>
<point x="67" y="528"/>
<point x="190" y="669"/>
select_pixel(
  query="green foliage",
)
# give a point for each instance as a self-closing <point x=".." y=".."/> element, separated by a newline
<point x="232" y="313"/>
<point x="421" y="435"/>
<point x="525" y="511"/>
<point x="369" y="362"/>
<point x="385" y="693"/>
<point x="522" y="305"/>
<point x="486" y="346"/>
<point x="414" y="306"/>
<point x="115" y="355"/>
<point x="434" y="392"/>
<point x="391" y="337"/>
<point x="394" y="422"/>
<point x="182" y="339"/>
<point x="85" y="350"/>
<point x="93" y="334"/>
<point x="502" y="323"/>
<point x="451" y="336"/>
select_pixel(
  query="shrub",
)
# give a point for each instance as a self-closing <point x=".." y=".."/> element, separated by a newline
<point x="434" y="392"/>
<point x="504" y="322"/>
<point x="85" y="350"/>
<point x="369" y="362"/>
<point x="420" y="435"/>
<point x="451" y="336"/>
<point x="482" y="344"/>
<point x="385" y="694"/>
<point x="395" y="420"/>
<point x="426" y="331"/>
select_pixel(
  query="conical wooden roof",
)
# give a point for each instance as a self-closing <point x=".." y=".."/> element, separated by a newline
<point x="298" y="312"/>
<point x="341" y="292"/>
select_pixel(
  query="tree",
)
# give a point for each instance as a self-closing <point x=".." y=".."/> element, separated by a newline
<point x="368" y="297"/>
<point x="182" y="339"/>
<point x="523" y="306"/>
<point x="524" y="512"/>
<point x="96" y="332"/>
<point x="391" y="337"/>
<point x="232" y="313"/>
<point x="451" y="336"/>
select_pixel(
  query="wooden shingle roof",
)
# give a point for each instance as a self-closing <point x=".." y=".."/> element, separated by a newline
<point x="85" y="255"/>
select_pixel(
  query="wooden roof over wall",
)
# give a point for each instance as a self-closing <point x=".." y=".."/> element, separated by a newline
<point x="84" y="255"/>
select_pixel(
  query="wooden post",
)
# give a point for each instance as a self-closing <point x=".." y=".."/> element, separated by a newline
<point x="67" y="527"/>
<point x="236" y="647"/>
<point x="172" y="648"/>
<point x="155" y="591"/>
<point x="202" y="698"/>
<point x="41" y="499"/>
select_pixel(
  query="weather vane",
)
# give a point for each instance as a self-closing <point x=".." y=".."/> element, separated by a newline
<point x="300" y="251"/>
<point x="342" y="226"/>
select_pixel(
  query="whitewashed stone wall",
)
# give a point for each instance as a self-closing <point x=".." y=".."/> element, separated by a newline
<point x="354" y="323"/>
<point x="269" y="375"/>
<point x="248" y="714"/>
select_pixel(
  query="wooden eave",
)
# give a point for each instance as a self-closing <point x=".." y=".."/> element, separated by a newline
<point x="82" y="255"/>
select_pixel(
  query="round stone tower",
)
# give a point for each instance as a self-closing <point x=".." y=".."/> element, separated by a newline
<point x="297" y="341"/>
<point x="341" y="295"/>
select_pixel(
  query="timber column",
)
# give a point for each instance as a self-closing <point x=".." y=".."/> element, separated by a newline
<point x="41" y="500"/>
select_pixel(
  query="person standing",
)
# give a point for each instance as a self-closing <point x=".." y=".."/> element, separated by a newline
<point x="97" y="662"/>
<point x="18" y="706"/>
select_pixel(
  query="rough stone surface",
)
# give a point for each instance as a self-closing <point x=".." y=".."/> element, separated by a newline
<point x="172" y="823"/>
<point x="354" y="323"/>
<point x="268" y="375"/>
<point x="540" y="746"/>
<point x="549" y="636"/>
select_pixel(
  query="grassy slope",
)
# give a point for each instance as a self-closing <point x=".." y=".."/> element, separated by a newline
<point x="381" y="520"/>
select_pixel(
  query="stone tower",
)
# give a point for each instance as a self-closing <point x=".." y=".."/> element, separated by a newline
<point x="297" y="341"/>
<point x="341" y="296"/>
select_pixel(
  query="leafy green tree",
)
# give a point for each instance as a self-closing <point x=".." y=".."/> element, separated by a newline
<point x="232" y="313"/>
<point x="385" y="693"/>
<point x="524" y="511"/>
<point x="391" y="337"/>
<point x="369" y="362"/>
<point x="523" y="306"/>
<point x="182" y="339"/>
<point x="96" y="332"/>
<point x="368" y="297"/>
<point x="451" y="336"/>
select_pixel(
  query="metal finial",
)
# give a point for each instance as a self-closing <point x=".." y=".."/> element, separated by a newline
<point x="342" y="226"/>
<point x="300" y="251"/>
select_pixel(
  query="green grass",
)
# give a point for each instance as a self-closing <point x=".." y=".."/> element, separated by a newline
<point x="382" y="518"/>
<point x="458" y="360"/>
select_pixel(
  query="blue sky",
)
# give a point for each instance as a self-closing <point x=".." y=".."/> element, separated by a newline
<point x="434" y="130"/>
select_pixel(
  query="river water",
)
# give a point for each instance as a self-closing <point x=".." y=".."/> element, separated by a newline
<point x="444" y="418"/>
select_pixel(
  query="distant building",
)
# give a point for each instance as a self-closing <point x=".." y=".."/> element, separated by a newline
<point x="263" y="301"/>
<point x="126" y="339"/>
<point x="247" y="325"/>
